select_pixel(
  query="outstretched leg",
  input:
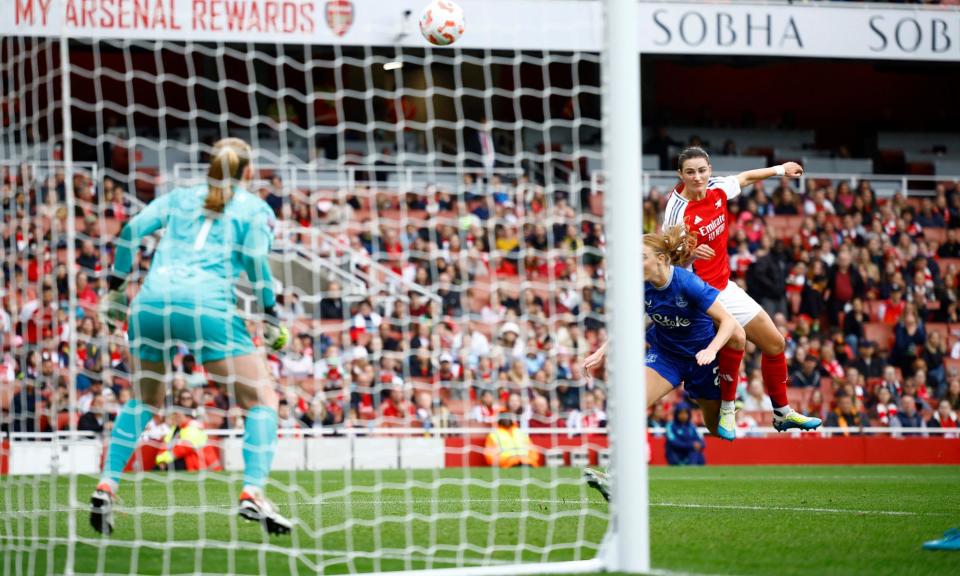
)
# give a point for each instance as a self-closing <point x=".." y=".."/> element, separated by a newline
<point x="773" y="366"/>
<point x="657" y="388"/>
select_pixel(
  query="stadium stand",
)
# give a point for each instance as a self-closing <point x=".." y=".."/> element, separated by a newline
<point x="462" y="336"/>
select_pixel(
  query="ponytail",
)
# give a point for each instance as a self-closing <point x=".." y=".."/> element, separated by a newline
<point x="229" y="159"/>
<point x="675" y="242"/>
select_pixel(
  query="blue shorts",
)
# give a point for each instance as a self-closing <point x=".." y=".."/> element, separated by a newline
<point x="156" y="329"/>
<point x="699" y="381"/>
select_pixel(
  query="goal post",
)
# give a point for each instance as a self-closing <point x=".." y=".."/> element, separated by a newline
<point x="454" y="188"/>
<point x="629" y="524"/>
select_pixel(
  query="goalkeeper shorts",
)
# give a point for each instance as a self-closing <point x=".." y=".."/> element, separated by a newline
<point x="157" y="329"/>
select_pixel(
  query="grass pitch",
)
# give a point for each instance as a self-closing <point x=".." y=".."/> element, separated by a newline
<point x="713" y="520"/>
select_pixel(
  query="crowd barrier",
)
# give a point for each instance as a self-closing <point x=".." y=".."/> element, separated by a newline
<point x="356" y="449"/>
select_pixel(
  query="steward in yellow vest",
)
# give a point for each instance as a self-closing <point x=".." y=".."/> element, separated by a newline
<point x="508" y="446"/>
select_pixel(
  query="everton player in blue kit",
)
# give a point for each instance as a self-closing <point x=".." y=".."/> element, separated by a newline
<point x="687" y="327"/>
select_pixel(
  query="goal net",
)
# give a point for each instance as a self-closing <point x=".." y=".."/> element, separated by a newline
<point x="439" y="257"/>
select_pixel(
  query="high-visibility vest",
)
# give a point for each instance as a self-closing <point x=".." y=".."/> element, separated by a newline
<point x="508" y="447"/>
<point x="188" y="444"/>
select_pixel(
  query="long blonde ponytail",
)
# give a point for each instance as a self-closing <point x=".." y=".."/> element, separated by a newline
<point x="229" y="158"/>
<point x="675" y="242"/>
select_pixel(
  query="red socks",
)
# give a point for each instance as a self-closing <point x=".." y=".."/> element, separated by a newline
<point x="729" y="369"/>
<point x="774" y="370"/>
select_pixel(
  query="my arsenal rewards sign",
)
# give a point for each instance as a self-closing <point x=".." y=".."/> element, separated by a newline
<point x="339" y="16"/>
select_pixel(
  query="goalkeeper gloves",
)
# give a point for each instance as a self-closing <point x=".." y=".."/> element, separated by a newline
<point x="275" y="334"/>
<point x="113" y="309"/>
<point x="165" y="457"/>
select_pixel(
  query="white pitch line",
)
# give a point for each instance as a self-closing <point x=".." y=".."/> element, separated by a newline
<point x="503" y="502"/>
<point x="797" y="509"/>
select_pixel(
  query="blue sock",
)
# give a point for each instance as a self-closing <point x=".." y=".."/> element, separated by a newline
<point x="131" y="421"/>
<point x="259" y="444"/>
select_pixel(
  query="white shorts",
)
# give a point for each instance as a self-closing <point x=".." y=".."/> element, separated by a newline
<point x="739" y="304"/>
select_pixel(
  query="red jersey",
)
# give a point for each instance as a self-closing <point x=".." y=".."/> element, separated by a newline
<point x="707" y="220"/>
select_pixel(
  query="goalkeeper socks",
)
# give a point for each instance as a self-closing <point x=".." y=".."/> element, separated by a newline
<point x="728" y="360"/>
<point x="774" y="370"/>
<point x="131" y="421"/>
<point x="259" y="444"/>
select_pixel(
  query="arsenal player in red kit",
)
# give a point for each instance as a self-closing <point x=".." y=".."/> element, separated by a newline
<point x="700" y="202"/>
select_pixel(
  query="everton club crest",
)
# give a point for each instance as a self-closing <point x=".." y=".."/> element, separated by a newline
<point x="339" y="16"/>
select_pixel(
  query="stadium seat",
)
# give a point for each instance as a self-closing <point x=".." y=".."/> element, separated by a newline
<point x="952" y="364"/>
<point x="879" y="333"/>
<point x="938" y="235"/>
<point x="785" y="226"/>
<point x="946" y="263"/>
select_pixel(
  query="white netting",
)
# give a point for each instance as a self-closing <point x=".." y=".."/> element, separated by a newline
<point x="434" y="253"/>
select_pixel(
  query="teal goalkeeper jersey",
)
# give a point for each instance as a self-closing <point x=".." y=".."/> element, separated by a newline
<point x="199" y="259"/>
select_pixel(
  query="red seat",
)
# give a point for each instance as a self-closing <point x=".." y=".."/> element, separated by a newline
<point x="879" y="333"/>
<point x="785" y="226"/>
<point x="946" y="263"/>
<point x="938" y="235"/>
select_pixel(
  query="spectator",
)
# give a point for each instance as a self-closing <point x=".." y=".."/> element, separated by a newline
<point x="951" y="247"/>
<point x="424" y="410"/>
<point x="910" y="338"/>
<point x="884" y="409"/>
<point x="808" y="376"/>
<point x="395" y="411"/>
<point x="540" y="415"/>
<point x="828" y="362"/>
<point x="755" y="399"/>
<point x="933" y="352"/>
<point x="485" y="413"/>
<point x="892" y="382"/>
<point x="297" y="364"/>
<point x="590" y="416"/>
<point x="846" y="415"/>
<point x="317" y="416"/>
<point x="331" y="305"/>
<point x="891" y="310"/>
<point x="953" y="393"/>
<point x="684" y="443"/>
<point x="285" y="419"/>
<point x="944" y="417"/>
<point x="366" y="321"/>
<point x="908" y="416"/>
<point x="658" y="420"/>
<point x="766" y="279"/>
<point x="95" y="417"/>
<point x="868" y="364"/>
<point x="843" y="285"/>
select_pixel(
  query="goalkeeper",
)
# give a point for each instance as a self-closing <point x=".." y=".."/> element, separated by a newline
<point x="212" y="233"/>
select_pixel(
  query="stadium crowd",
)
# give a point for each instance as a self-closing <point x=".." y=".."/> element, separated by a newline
<point x="863" y="288"/>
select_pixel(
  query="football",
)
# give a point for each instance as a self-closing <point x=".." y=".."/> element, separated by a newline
<point x="441" y="22"/>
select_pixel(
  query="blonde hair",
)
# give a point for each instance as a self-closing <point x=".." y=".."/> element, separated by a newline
<point x="229" y="158"/>
<point x="675" y="242"/>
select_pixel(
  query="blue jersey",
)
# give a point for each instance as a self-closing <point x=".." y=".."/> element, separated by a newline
<point x="680" y="325"/>
<point x="200" y="259"/>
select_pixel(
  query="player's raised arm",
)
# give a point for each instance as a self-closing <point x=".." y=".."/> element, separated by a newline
<point x="789" y="169"/>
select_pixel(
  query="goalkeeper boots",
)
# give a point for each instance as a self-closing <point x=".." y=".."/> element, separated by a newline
<point x="599" y="481"/>
<point x="794" y="419"/>
<point x="727" y="426"/>
<point x="101" y="509"/>
<point x="255" y="508"/>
